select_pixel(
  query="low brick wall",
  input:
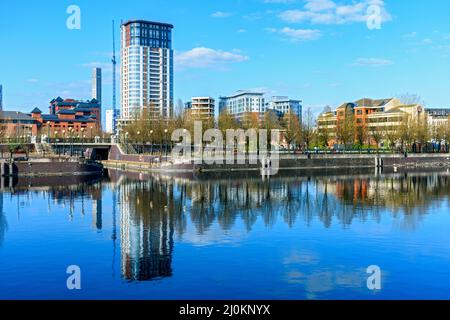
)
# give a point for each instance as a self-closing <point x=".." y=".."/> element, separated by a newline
<point x="52" y="168"/>
<point x="287" y="162"/>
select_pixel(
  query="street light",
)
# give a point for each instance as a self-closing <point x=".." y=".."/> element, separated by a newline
<point x="90" y="132"/>
<point x="165" y="140"/>
<point x="151" y="142"/>
<point x="126" y="142"/>
<point x="82" y="141"/>
<point x="138" y="134"/>
<point x="64" y="142"/>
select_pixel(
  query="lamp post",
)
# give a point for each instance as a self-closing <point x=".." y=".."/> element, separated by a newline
<point x="78" y="141"/>
<point x="64" y="142"/>
<point x="126" y="142"/>
<point x="138" y="134"/>
<point x="151" y="142"/>
<point x="71" y="141"/>
<point x="90" y="132"/>
<point x="165" y="140"/>
<point x="82" y="141"/>
<point x="55" y="137"/>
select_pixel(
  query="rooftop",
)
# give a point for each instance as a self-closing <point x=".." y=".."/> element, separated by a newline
<point x="147" y="22"/>
<point x="244" y="92"/>
<point x="15" y="115"/>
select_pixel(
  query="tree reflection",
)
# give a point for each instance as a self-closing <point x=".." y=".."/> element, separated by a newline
<point x="344" y="199"/>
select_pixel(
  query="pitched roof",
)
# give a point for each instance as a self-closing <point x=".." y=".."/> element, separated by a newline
<point x="15" y="115"/>
<point x="36" y="111"/>
<point x="367" y="102"/>
<point x="372" y="103"/>
<point x="66" y="112"/>
<point x="82" y="109"/>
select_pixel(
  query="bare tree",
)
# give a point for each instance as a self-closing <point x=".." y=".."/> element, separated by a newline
<point x="308" y="128"/>
<point x="293" y="129"/>
<point x="377" y="135"/>
<point x="411" y="98"/>
<point x="361" y="135"/>
<point x="345" y="128"/>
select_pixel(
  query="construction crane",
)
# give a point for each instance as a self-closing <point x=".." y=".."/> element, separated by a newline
<point x="114" y="64"/>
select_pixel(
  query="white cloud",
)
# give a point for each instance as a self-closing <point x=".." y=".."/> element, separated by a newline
<point x="372" y="62"/>
<point x="202" y="57"/>
<point x="330" y="12"/>
<point x="320" y="5"/>
<point x="297" y="35"/>
<point x="221" y="14"/>
<point x="242" y="31"/>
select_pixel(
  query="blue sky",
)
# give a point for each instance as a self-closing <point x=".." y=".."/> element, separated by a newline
<point x="320" y="51"/>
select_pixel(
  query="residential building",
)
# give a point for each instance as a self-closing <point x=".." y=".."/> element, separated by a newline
<point x="97" y="85"/>
<point x="438" y="117"/>
<point x="201" y="108"/>
<point x="281" y="105"/>
<point x="243" y="102"/>
<point x="146" y="68"/>
<point x="372" y="114"/>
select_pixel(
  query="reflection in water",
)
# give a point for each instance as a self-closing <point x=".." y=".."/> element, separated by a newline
<point x="3" y="222"/>
<point x="154" y="210"/>
<point x="147" y="227"/>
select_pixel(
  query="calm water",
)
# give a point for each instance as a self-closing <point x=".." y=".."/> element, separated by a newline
<point x="136" y="236"/>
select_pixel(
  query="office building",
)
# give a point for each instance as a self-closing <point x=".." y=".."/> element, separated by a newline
<point x="438" y="116"/>
<point x="281" y="105"/>
<point x="146" y="68"/>
<point x="97" y="85"/>
<point x="201" y="108"/>
<point x="374" y="115"/>
<point x="243" y="102"/>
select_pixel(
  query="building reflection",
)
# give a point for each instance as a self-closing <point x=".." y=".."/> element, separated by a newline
<point x="3" y="221"/>
<point x="146" y="230"/>
<point x="152" y="211"/>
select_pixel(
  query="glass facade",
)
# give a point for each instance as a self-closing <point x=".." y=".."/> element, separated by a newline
<point x="147" y="68"/>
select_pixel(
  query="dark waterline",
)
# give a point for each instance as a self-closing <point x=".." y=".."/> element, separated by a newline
<point x="237" y="236"/>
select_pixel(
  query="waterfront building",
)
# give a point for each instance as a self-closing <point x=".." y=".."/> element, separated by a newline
<point x="97" y="85"/>
<point x="282" y="105"/>
<point x="242" y="103"/>
<point x="146" y="68"/>
<point x="201" y="108"/>
<point x="66" y="117"/>
<point x="15" y="124"/>
<point x="374" y="115"/>
<point x="438" y="116"/>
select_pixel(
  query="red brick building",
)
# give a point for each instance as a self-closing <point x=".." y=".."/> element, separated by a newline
<point x="66" y="117"/>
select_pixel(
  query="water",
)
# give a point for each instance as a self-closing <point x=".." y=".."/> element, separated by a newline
<point x="226" y="237"/>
